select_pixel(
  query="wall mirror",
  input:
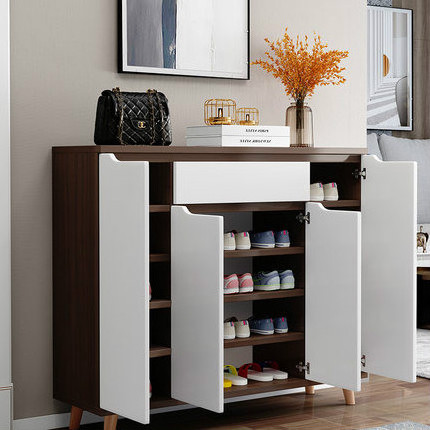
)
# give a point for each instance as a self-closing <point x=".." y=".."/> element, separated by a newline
<point x="185" y="37"/>
<point x="389" y="69"/>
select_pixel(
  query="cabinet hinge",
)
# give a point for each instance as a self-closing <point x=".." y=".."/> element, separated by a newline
<point x="363" y="360"/>
<point x="304" y="367"/>
<point x="360" y="173"/>
<point x="302" y="218"/>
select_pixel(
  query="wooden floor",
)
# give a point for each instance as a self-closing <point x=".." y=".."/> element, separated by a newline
<point x="381" y="402"/>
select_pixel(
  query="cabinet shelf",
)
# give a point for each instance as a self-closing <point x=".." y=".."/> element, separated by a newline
<point x="159" y="258"/>
<point x="257" y="252"/>
<point x="159" y="208"/>
<point x="156" y="351"/>
<point x="255" y="387"/>
<point x="160" y="304"/>
<point x="263" y="295"/>
<point x="258" y="339"/>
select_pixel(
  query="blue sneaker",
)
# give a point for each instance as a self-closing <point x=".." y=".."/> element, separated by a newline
<point x="267" y="281"/>
<point x="265" y="239"/>
<point x="261" y="325"/>
<point x="282" y="239"/>
<point x="287" y="279"/>
<point x="280" y="325"/>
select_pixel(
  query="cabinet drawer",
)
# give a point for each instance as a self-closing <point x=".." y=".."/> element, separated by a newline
<point x="236" y="182"/>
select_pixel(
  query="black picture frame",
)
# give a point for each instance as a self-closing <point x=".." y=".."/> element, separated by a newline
<point x="125" y="69"/>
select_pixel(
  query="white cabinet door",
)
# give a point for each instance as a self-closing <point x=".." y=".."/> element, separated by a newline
<point x="197" y="251"/>
<point x="333" y="272"/>
<point x="5" y="409"/>
<point x="124" y="287"/>
<point x="389" y="211"/>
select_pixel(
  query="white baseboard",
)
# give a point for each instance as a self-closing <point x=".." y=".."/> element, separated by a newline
<point x="49" y="422"/>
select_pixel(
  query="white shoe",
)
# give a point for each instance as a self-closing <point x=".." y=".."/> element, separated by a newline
<point x="242" y="240"/>
<point x="317" y="192"/>
<point x="330" y="192"/>
<point x="229" y="241"/>
<point x="229" y="330"/>
<point x="242" y="329"/>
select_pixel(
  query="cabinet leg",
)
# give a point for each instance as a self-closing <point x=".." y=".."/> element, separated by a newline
<point x="349" y="397"/>
<point x="310" y="390"/>
<point x="75" y="418"/>
<point x="110" y="422"/>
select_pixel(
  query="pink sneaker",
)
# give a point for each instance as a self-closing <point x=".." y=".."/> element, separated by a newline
<point x="246" y="284"/>
<point x="231" y="284"/>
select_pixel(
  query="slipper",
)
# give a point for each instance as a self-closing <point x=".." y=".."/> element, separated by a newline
<point x="272" y="368"/>
<point x="230" y="373"/>
<point x="227" y="383"/>
<point x="253" y="371"/>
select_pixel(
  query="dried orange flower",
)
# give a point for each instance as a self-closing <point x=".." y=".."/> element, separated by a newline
<point x="300" y="67"/>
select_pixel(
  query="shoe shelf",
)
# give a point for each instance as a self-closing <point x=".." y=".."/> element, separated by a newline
<point x="160" y="304"/>
<point x="159" y="257"/>
<point x="159" y="208"/>
<point x="258" y="339"/>
<point x="156" y="351"/>
<point x="263" y="295"/>
<point x="256" y="252"/>
<point x="255" y="387"/>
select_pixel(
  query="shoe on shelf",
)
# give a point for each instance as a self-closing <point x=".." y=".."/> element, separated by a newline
<point x="229" y="330"/>
<point x="330" y="192"/>
<point x="272" y="368"/>
<point x="227" y="383"/>
<point x="150" y="389"/>
<point x="150" y="292"/>
<point x="266" y="239"/>
<point x="261" y="325"/>
<point x="280" y="325"/>
<point x="246" y="284"/>
<point x="230" y="373"/>
<point x="287" y="280"/>
<point x="317" y="192"/>
<point x="229" y="241"/>
<point x="231" y="284"/>
<point x="282" y="239"/>
<point x="241" y="327"/>
<point x="242" y="240"/>
<point x="254" y="372"/>
<point x="267" y="281"/>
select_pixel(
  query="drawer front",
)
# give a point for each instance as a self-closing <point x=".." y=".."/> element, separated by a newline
<point x="235" y="182"/>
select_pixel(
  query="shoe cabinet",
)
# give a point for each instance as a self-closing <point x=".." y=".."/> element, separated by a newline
<point x="124" y="217"/>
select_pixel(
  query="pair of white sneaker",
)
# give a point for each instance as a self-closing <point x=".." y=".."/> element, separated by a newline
<point x="236" y="328"/>
<point x="234" y="240"/>
<point x="320" y="192"/>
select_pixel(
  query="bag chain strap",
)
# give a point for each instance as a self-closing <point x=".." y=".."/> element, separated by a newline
<point x="118" y="96"/>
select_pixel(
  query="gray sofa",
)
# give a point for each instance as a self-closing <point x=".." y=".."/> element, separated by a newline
<point x="390" y="148"/>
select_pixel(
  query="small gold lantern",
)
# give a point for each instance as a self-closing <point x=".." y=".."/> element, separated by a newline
<point x="220" y="112"/>
<point x="247" y="116"/>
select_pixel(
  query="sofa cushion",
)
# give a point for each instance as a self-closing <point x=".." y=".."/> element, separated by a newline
<point x="397" y="149"/>
<point x="373" y="145"/>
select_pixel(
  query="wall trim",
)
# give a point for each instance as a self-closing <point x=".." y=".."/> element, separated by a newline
<point x="51" y="422"/>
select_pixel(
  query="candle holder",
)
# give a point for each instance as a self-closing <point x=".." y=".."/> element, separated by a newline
<point x="220" y="112"/>
<point x="247" y="116"/>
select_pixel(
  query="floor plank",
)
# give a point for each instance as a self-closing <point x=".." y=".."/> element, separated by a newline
<point x="382" y="401"/>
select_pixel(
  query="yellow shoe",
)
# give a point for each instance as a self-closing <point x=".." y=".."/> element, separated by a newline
<point x="227" y="383"/>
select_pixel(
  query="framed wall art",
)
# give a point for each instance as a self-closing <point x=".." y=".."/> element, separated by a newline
<point x="389" y="69"/>
<point x="208" y="38"/>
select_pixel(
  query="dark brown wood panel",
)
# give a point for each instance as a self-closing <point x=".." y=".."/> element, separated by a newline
<point x="259" y="339"/>
<point x="159" y="351"/>
<point x="160" y="304"/>
<point x="76" y="279"/>
<point x="263" y="295"/>
<point x="255" y="252"/>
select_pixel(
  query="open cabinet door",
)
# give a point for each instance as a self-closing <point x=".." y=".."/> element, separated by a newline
<point x="333" y="272"/>
<point x="389" y="208"/>
<point x="197" y="309"/>
<point x="124" y="287"/>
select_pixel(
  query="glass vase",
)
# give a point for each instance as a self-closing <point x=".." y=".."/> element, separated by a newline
<point x="299" y="118"/>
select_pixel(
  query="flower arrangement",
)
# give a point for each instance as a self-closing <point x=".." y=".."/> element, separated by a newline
<point x="300" y="67"/>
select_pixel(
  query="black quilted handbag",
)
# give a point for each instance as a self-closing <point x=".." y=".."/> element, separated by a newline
<point x="132" y="119"/>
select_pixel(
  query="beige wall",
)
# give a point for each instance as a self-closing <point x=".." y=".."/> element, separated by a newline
<point x="63" y="55"/>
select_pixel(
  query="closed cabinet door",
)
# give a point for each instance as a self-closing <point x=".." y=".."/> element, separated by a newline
<point x="197" y="266"/>
<point x="5" y="409"/>
<point x="332" y="297"/>
<point x="124" y="287"/>
<point x="389" y="210"/>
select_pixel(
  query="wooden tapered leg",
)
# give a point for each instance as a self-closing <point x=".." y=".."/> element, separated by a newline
<point x="75" y="418"/>
<point x="349" y="397"/>
<point x="110" y="422"/>
<point x="310" y="390"/>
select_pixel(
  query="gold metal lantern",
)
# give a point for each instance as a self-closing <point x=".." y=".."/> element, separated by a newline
<point x="220" y="112"/>
<point x="247" y="116"/>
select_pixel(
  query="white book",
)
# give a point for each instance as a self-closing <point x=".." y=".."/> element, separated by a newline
<point x="238" y="130"/>
<point x="235" y="141"/>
